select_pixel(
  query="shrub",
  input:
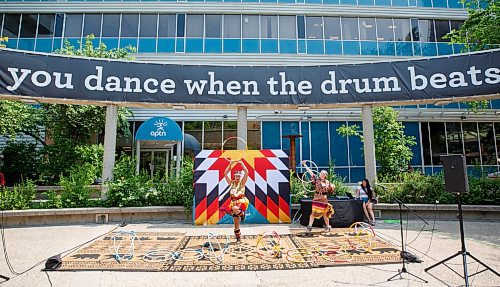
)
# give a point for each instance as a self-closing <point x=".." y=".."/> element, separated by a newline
<point x="76" y="192"/>
<point x="18" y="198"/>
<point x="417" y="188"/>
<point x="20" y="161"/>
<point x="127" y="188"/>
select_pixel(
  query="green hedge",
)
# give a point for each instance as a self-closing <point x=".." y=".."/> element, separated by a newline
<point x="418" y="188"/>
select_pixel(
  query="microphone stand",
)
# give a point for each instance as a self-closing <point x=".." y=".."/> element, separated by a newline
<point x="404" y="270"/>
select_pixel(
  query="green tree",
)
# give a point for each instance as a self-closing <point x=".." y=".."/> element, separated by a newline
<point x="478" y="32"/>
<point x="20" y="118"/>
<point x="71" y="126"/>
<point x="392" y="147"/>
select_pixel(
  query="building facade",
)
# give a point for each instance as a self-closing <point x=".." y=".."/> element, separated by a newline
<point x="278" y="33"/>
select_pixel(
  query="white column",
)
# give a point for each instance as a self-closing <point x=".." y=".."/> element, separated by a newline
<point x="242" y="127"/>
<point x="369" y="144"/>
<point x="109" y="146"/>
<point x="178" y="159"/>
<point x="138" y="156"/>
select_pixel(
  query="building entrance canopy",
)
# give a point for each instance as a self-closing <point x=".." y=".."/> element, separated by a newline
<point x="55" y="78"/>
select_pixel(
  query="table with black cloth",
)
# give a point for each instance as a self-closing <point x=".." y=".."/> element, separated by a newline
<point x="347" y="211"/>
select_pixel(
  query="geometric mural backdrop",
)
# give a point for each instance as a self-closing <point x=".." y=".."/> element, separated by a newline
<point x="267" y="187"/>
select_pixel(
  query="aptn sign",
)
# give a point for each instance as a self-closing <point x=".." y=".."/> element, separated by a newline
<point x="44" y="76"/>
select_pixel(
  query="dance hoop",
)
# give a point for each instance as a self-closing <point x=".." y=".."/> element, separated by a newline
<point x="243" y="154"/>
<point x="116" y="248"/>
<point x="194" y="255"/>
<point x="306" y="182"/>
<point x="269" y="245"/>
<point x="300" y="255"/>
<point x="161" y="255"/>
<point x="213" y="255"/>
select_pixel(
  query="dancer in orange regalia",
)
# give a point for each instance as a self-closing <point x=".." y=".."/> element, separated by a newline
<point x="239" y="203"/>
<point x="320" y="205"/>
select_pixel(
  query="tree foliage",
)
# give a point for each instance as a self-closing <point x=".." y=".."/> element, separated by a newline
<point x="392" y="147"/>
<point x="68" y="126"/>
<point x="480" y="31"/>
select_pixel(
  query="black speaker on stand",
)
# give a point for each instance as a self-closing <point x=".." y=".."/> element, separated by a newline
<point x="456" y="181"/>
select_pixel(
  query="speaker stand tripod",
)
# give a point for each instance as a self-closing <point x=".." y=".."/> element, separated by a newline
<point x="462" y="252"/>
<point x="403" y="269"/>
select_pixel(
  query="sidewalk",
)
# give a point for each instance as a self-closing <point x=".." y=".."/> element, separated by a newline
<point x="26" y="246"/>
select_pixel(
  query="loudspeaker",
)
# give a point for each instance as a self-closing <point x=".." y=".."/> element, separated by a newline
<point x="455" y="173"/>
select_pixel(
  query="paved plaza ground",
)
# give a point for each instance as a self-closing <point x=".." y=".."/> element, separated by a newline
<point x="29" y="245"/>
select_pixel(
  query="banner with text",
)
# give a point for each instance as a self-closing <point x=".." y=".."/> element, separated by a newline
<point x="98" y="80"/>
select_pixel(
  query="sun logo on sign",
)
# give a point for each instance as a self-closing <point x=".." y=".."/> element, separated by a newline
<point x="160" y="128"/>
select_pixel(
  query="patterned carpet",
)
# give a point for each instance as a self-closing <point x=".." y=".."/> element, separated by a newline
<point x="347" y="246"/>
<point x="175" y="252"/>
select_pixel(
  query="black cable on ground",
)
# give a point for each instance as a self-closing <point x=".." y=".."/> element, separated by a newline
<point x="6" y="254"/>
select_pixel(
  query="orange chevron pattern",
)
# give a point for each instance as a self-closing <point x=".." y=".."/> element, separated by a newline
<point x="267" y="187"/>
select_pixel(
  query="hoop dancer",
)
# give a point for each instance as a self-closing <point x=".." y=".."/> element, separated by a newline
<point x="320" y="205"/>
<point x="239" y="203"/>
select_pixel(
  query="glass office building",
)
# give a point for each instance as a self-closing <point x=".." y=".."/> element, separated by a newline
<point x="282" y="33"/>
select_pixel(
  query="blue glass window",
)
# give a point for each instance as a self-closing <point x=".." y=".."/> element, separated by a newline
<point x="444" y="49"/>
<point x="130" y="25"/>
<point x="181" y="24"/>
<point x="383" y="2"/>
<point x="46" y="26"/>
<point x="369" y="48"/>
<point x="194" y="45"/>
<point x="424" y="3"/>
<point x="301" y="27"/>
<point x="232" y="26"/>
<point x="350" y="47"/>
<point x="305" y="140"/>
<point x="44" y="45"/>
<point x="333" y="47"/>
<point x="348" y="2"/>
<point x="291" y="128"/>
<point x="315" y="47"/>
<point x="92" y="25"/>
<point x="319" y="148"/>
<point x="417" y="49"/>
<point x="399" y="2"/>
<point x="356" y="148"/>
<point x="111" y="43"/>
<point x="338" y="145"/>
<point x="269" y="46"/>
<point x="59" y="25"/>
<point x="386" y="48"/>
<point x="28" y="29"/>
<point x="26" y="44"/>
<point x="167" y="26"/>
<point x="331" y="1"/>
<point x="366" y="2"/>
<point x="404" y="49"/>
<point x="232" y="45"/>
<point x="124" y="42"/>
<point x="413" y="129"/>
<point x="429" y="49"/>
<point x="57" y="43"/>
<point x="110" y="25"/>
<point x="302" y="46"/>
<point x="213" y="45"/>
<point x="288" y="46"/>
<point x="167" y="45"/>
<point x="147" y="45"/>
<point x="73" y="27"/>
<point x="357" y="174"/>
<point x="343" y="173"/>
<point x="455" y="4"/>
<point x="251" y="46"/>
<point x="270" y="135"/>
<point x="149" y="23"/>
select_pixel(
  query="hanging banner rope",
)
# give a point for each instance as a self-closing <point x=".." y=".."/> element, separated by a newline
<point x="56" y="78"/>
